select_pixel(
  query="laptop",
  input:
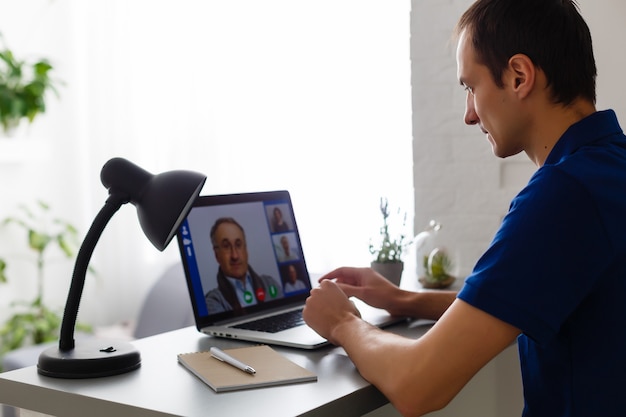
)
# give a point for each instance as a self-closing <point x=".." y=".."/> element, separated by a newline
<point x="250" y="281"/>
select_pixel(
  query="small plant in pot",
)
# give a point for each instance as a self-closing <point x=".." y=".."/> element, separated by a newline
<point x="438" y="268"/>
<point x="389" y="249"/>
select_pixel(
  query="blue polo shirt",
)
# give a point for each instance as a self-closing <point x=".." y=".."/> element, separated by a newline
<point x="556" y="270"/>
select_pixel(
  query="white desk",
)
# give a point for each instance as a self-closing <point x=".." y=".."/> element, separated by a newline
<point x="162" y="387"/>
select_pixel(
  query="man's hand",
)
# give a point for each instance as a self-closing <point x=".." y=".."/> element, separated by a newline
<point x="364" y="284"/>
<point x="328" y="307"/>
<point x="375" y="290"/>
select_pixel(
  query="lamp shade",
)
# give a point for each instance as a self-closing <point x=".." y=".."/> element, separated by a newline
<point x="162" y="200"/>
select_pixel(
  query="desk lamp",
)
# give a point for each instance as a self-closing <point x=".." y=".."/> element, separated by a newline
<point x="162" y="201"/>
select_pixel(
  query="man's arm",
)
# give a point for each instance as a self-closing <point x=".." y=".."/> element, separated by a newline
<point x="424" y="304"/>
<point x="372" y="288"/>
<point x="417" y="376"/>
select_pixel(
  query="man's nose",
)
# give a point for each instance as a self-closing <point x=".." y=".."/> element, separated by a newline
<point x="470" y="117"/>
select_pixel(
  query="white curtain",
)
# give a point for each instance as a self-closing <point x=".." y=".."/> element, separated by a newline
<point x="309" y="96"/>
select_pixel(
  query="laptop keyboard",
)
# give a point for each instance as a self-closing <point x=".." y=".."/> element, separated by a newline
<point x="276" y="323"/>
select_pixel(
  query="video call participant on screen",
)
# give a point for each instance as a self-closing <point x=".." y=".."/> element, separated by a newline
<point x="293" y="282"/>
<point x="285" y="251"/>
<point x="278" y="221"/>
<point x="238" y="286"/>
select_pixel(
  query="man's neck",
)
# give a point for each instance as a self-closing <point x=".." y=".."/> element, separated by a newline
<point x="550" y="125"/>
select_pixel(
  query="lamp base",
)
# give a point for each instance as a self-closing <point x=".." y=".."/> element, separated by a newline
<point x="89" y="359"/>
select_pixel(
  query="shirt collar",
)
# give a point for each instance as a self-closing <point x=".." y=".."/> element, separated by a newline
<point x="238" y="284"/>
<point x="593" y="128"/>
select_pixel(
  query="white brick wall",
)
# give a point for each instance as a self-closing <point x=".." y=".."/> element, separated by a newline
<point x="457" y="179"/>
<point x="459" y="182"/>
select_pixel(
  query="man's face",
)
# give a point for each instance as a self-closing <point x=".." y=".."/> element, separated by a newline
<point x="231" y="251"/>
<point x="293" y="274"/>
<point x="493" y="109"/>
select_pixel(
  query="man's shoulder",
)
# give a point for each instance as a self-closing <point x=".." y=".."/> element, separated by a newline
<point x="214" y="294"/>
<point x="267" y="278"/>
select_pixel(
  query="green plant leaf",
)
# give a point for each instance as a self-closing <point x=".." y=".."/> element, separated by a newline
<point x="41" y="69"/>
<point x="23" y="86"/>
<point x="389" y="249"/>
<point x="38" y="240"/>
<point x="3" y="267"/>
<point x="65" y="246"/>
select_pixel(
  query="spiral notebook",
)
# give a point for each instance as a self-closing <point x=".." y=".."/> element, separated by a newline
<point x="271" y="367"/>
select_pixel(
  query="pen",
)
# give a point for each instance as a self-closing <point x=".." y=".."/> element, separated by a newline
<point x="225" y="357"/>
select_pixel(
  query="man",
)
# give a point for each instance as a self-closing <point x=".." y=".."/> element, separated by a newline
<point x="285" y="251"/>
<point x="292" y="282"/>
<point x="239" y="285"/>
<point x="555" y="273"/>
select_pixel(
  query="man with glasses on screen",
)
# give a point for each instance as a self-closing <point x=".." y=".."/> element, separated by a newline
<point x="238" y="285"/>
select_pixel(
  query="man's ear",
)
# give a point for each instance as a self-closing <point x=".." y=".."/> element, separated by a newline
<point x="522" y="73"/>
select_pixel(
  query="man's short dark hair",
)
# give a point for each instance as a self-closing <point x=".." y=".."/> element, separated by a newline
<point x="552" y="33"/>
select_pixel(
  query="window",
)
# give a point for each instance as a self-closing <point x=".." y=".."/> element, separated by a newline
<point x="308" y="96"/>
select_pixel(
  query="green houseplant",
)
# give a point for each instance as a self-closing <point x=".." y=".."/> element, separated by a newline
<point x="435" y="264"/>
<point x="23" y="86"/>
<point x="389" y="248"/>
<point x="438" y="266"/>
<point x="32" y="321"/>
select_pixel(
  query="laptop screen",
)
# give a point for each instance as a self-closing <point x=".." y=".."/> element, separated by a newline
<point x="242" y="255"/>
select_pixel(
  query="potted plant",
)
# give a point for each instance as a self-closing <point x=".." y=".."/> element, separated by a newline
<point x="438" y="268"/>
<point x="389" y="249"/>
<point x="33" y="322"/>
<point x="23" y="86"/>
